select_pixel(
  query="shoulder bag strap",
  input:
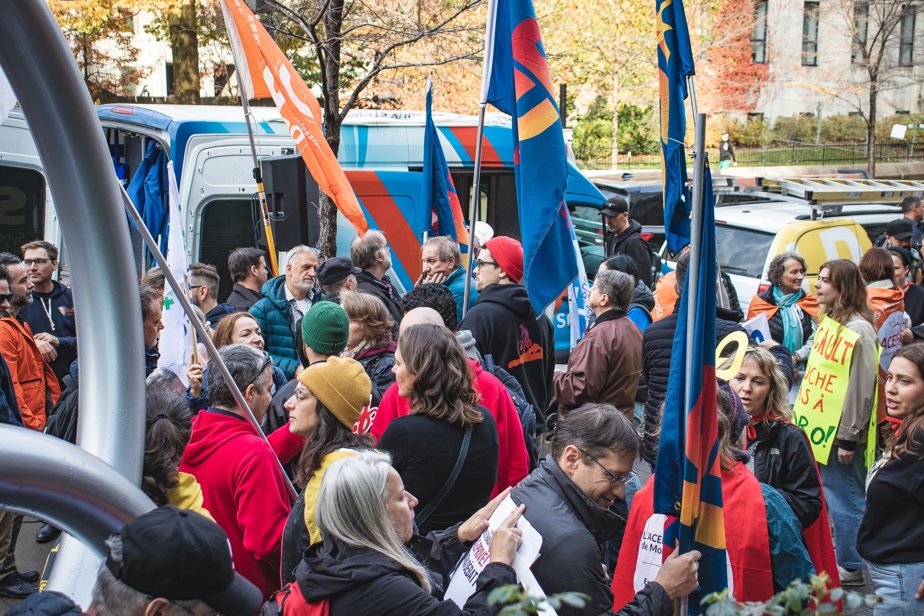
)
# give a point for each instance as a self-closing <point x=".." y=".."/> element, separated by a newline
<point x="422" y="517"/>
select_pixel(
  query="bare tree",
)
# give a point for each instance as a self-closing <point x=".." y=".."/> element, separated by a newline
<point x="356" y="42"/>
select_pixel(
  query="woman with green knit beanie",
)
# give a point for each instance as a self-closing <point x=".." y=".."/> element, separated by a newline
<point x="329" y="400"/>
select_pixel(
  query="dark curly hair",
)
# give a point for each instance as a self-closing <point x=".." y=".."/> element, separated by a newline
<point x="778" y="266"/>
<point x="436" y="296"/>
<point x="328" y="436"/>
<point x="168" y="423"/>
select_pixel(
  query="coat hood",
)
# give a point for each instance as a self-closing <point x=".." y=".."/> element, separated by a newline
<point x="273" y="289"/>
<point x="468" y="341"/>
<point x="512" y="296"/>
<point x="331" y="567"/>
<point x="211" y="429"/>
<point x="642" y="296"/>
<point x="634" y="227"/>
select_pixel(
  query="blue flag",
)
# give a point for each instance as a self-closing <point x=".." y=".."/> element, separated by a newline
<point x="687" y="469"/>
<point x="437" y="189"/>
<point x="675" y="64"/>
<point x="520" y="85"/>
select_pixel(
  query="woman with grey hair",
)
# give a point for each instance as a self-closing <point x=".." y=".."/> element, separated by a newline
<point x="370" y="561"/>
<point x="792" y="313"/>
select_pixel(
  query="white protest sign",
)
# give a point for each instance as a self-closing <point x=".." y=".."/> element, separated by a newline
<point x="462" y="582"/>
<point x="758" y="328"/>
<point x="649" y="551"/>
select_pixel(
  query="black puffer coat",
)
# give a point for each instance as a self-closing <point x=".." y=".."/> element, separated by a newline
<point x="573" y="527"/>
<point x="656" y="369"/>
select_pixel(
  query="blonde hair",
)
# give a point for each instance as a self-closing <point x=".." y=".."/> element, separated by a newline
<point x="777" y="405"/>
<point x="351" y="508"/>
<point x="370" y="313"/>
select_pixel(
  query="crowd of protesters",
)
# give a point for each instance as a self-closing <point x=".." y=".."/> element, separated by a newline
<point x="404" y="424"/>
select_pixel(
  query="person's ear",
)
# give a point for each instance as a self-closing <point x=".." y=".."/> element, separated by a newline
<point x="158" y="607"/>
<point x="570" y="458"/>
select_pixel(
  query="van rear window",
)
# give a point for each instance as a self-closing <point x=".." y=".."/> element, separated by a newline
<point x="742" y="251"/>
<point x="22" y="207"/>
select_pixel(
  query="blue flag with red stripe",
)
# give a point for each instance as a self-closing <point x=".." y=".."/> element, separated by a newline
<point x="437" y="189"/>
<point x="687" y="471"/>
<point x="520" y="85"/>
<point x="675" y="64"/>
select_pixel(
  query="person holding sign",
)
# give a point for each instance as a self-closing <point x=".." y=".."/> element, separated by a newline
<point x="888" y="304"/>
<point x="835" y="402"/>
<point x="891" y="537"/>
<point x="368" y="563"/>
<point x="792" y="314"/>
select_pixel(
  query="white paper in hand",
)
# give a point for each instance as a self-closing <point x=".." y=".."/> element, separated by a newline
<point x="462" y="582"/>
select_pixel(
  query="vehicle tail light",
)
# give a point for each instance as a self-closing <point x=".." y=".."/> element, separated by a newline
<point x="647" y="236"/>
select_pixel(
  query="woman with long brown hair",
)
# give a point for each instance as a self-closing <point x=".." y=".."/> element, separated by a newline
<point x="446" y="449"/>
<point x="891" y="536"/>
<point x="370" y="342"/>
<point x="841" y="292"/>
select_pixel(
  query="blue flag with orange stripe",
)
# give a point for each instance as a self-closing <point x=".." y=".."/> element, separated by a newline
<point x="687" y="471"/>
<point x="520" y="85"/>
<point x="675" y="64"/>
<point x="438" y="190"/>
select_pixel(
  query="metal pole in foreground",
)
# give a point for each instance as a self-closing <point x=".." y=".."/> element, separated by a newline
<point x="204" y="337"/>
<point x="476" y="180"/>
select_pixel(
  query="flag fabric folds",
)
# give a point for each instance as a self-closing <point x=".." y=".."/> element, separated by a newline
<point x="675" y="64"/>
<point x="175" y="341"/>
<point x="437" y="190"/>
<point x="520" y="85"/>
<point x="687" y="469"/>
<point x="264" y="72"/>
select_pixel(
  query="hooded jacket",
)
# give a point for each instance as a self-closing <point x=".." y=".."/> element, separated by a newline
<point x="378" y="364"/>
<point x="456" y="284"/>
<point x="512" y="459"/>
<point x="604" y="366"/>
<point x="275" y="317"/>
<point x="60" y="304"/>
<point x="572" y="528"/>
<point x="244" y="491"/>
<point x="219" y="312"/>
<point x="630" y="242"/>
<point x="242" y="298"/>
<point x="641" y="305"/>
<point x="505" y="326"/>
<point x="657" y="343"/>
<point x="46" y="603"/>
<point x="35" y="385"/>
<point x="363" y="581"/>
<point x="382" y="289"/>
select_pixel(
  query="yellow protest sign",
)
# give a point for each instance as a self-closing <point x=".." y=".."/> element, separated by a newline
<point x="821" y="396"/>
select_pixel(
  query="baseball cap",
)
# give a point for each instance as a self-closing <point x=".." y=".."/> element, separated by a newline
<point x="615" y="205"/>
<point x="181" y="555"/>
<point x="900" y="229"/>
<point x="336" y="269"/>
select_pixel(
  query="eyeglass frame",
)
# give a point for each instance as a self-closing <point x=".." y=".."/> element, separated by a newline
<point x="614" y="479"/>
<point x="479" y="263"/>
<point x="27" y="263"/>
<point x="267" y="361"/>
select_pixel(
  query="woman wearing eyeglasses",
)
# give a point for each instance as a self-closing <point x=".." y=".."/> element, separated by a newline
<point x="762" y="534"/>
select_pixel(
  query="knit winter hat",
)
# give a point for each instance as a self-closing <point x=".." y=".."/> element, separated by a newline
<point x="341" y="384"/>
<point x="509" y="255"/>
<point x="326" y="328"/>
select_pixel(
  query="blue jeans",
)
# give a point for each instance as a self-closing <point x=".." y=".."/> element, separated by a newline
<point x="897" y="584"/>
<point x="846" y="497"/>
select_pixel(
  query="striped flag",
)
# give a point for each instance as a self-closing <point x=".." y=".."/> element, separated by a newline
<point x="687" y="471"/>
<point x="438" y="192"/>
<point x="175" y="341"/>
<point x="265" y="72"/>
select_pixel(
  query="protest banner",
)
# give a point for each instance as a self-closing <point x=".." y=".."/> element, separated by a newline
<point x="821" y="396"/>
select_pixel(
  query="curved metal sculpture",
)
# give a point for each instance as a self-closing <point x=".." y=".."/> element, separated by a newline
<point x="55" y="101"/>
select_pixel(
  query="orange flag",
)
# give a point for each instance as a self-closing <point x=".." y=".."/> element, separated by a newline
<point x="264" y="72"/>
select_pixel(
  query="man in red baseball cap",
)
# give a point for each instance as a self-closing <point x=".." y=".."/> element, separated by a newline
<point x="505" y="325"/>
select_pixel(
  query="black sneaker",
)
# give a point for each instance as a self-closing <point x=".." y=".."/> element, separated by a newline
<point x="30" y="576"/>
<point x="15" y="587"/>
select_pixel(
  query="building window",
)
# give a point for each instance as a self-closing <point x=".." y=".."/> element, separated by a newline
<point x="810" y="34"/>
<point x="759" y="38"/>
<point x="906" y="40"/>
<point x="861" y="30"/>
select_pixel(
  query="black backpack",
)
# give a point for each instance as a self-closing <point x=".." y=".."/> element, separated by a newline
<point x="524" y="409"/>
<point x="62" y="422"/>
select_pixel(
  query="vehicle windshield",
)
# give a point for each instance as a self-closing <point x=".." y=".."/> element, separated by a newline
<point x="742" y="251"/>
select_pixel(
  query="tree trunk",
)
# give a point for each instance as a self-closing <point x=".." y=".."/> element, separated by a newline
<point x="184" y="40"/>
<point x="871" y="129"/>
<point x="330" y="69"/>
<point x="615" y="119"/>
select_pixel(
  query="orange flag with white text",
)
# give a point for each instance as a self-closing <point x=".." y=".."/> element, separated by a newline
<point x="264" y="72"/>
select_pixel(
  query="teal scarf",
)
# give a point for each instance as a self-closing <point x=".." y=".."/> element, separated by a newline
<point x="792" y="318"/>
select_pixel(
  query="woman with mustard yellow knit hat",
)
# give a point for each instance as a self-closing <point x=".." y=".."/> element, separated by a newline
<point x="328" y="402"/>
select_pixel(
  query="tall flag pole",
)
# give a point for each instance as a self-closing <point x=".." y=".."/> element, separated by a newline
<point x="176" y="346"/>
<point x="438" y="192"/>
<point x="521" y="86"/>
<point x="675" y="66"/>
<point x="265" y="72"/>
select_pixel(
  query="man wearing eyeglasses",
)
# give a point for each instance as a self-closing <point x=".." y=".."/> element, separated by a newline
<point x="51" y="312"/>
<point x="568" y="500"/>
